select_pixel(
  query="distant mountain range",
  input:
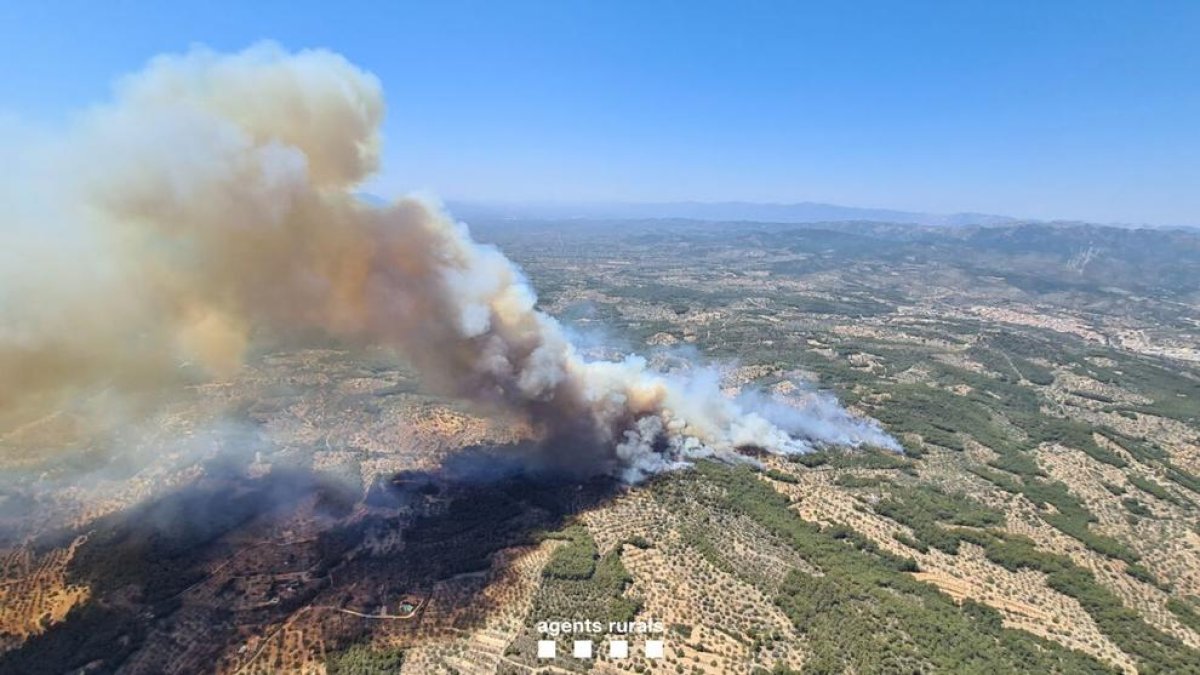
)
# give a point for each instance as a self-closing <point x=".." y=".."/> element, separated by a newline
<point x="801" y="212"/>
<point x="798" y="212"/>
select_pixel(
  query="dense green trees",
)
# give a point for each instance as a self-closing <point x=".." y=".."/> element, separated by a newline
<point x="360" y="659"/>
<point x="580" y="584"/>
<point x="1185" y="612"/>
<point x="923" y="508"/>
<point x="866" y="614"/>
<point x="574" y="560"/>
<point x="1155" y="651"/>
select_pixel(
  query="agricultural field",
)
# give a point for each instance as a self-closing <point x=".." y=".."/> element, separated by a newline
<point x="321" y="512"/>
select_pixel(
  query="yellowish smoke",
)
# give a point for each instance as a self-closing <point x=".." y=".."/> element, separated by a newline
<point x="211" y="204"/>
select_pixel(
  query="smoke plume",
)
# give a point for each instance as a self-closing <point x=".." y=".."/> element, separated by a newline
<point x="212" y="203"/>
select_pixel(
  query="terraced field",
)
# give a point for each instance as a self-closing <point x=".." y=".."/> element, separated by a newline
<point x="1043" y="517"/>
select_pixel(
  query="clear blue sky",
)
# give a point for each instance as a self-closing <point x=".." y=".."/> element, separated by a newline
<point x="1061" y="109"/>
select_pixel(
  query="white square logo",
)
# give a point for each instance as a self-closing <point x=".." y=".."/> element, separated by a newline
<point x="583" y="649"/>
<point x="654" y="649"/>
<point x="546" y="649"/>
<point x="618" y="649"/>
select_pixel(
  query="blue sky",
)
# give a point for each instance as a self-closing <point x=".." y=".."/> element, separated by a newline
<point x="1080" y="110"/>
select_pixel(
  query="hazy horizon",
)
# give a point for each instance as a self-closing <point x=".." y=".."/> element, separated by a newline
<point x="748" y="211"/>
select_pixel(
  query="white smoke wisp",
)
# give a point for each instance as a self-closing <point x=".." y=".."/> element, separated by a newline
<point x="212" y="202"/>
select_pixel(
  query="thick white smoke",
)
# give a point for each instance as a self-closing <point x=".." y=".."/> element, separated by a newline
<point x="212" y="203"/>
